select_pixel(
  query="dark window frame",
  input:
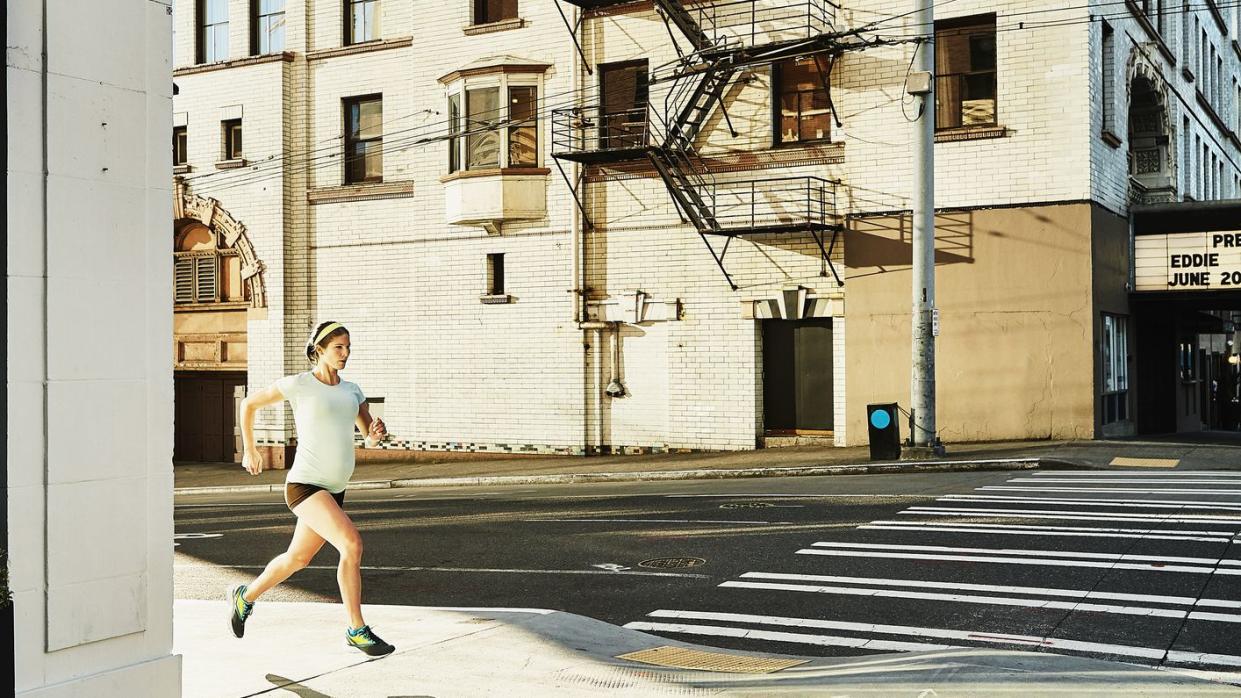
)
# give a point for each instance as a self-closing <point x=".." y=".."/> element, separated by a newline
<point x="376" y="25"/>
<point x="256" y="47"/>
<point x="232" y="138"/>
<point x="202" y="29"/>
<point x="351" y="141"/>
<point x="495" y="274"/>
<point x="777" y="95"/>
<point x="980" y="25"/>
<point x="482" y="13"/>
<point x="180" y="145"/>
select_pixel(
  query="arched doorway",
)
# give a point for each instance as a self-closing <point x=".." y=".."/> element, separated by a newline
<point x="217" y="283"/>
<point x="1151" y="176"/>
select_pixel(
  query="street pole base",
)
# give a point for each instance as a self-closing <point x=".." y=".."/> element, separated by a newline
<point x="923" y="452"/>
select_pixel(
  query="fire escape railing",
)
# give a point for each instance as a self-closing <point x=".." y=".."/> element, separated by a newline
<point x="724" y="36"/>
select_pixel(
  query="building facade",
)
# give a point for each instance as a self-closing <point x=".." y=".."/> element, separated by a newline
<point x="88" y="388"/>
<point x="596" y="226"/>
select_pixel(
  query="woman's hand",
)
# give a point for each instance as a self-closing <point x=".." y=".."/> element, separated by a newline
<point x="378" y="431"/>
<point x="252" y="461"/>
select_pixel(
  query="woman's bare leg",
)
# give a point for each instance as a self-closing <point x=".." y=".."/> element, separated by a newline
<point x="326" y="518"/>
<point x="301" y="551"/>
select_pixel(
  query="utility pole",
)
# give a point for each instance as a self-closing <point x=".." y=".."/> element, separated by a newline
<point x="922" y="379"/>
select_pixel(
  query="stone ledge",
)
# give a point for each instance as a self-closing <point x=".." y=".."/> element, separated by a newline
<point x="972" y="133"/>
<point x="231" y="164"/>
<point x="284" y="56"/>
<point x="492" y="27"/>
<point x="367" y="47"/>
<point x="360" y="192"/>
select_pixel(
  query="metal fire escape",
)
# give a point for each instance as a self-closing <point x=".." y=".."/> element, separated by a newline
<point x="725" y="37"/>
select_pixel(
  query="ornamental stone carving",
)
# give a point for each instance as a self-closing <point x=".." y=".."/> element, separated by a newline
<point x="206" y="210"/>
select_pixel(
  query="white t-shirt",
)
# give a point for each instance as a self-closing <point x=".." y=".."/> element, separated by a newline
<point x="324" y="415"/>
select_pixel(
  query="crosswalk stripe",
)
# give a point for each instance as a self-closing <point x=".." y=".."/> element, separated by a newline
<point x="970" y="598"/>
<point x="1082" y="502"/>
<point x="1226" y="534"/>
<point x="1138" y="473"/>
<point x="1073" y="516"/>
<point x="964" y="586"/>
<point x="1126" y="490"/>
<point x="1049" y="562"/>
<point x="1122" y="481"/>
<point x="942" y="633"/>
<point x="1033" y="531"/>
<point x="800" y="638"/>
<point x="1027" y="552"/>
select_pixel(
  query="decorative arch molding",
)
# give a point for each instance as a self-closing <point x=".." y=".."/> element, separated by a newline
<point x="1140" y="67"/>
<point x="230" y="231"/>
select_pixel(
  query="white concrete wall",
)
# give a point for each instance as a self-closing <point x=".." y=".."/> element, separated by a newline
<point x="90" y="447"/>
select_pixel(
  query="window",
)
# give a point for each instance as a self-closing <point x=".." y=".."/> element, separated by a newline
<point x="1114" y="352"/>
<point x="965" y="72"/>
<point x="232" y="139"/>
<point x="180" y="144"/>
<point x="1108" y="65"/>
<point x="196" y="278"/>
<point x="495" y="274"/>
<point x="364" y="139"/>
<point x="267" y="26"/>
<point x="1153" y="11"/>
<point x="361" y="21"/>
<point x="488" y="11"/>
<point x="624" y="95"/>
<point x="212" y="30"/>
<point x="482" y="115"/>
<point x="802" y="112"/>
<point x="523" y="131"/>
<point x="493" y="121"/>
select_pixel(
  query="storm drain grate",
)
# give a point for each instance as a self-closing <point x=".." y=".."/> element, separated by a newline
<point x="683" y="658"/>
<point x="746" y="505"/>
<point x="671" y="563"/>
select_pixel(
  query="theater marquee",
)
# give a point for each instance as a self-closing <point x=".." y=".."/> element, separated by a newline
<point x="1188" y="261"/>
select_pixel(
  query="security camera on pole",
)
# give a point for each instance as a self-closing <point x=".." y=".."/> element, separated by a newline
<point x="921" y="85"/>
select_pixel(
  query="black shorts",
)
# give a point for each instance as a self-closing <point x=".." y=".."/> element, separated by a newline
<point x="296" y="492"/>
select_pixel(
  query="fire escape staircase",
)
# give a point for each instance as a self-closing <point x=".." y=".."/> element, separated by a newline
<point x="699" y="79"/>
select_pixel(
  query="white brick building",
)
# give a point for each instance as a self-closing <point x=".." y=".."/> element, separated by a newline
<point x="1033" y="187"/>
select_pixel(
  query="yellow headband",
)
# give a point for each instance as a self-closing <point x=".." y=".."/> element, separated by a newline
<point x="332" y="327"/>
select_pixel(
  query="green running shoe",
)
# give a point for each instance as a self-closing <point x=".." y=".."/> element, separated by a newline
<point x="238" y="610"/>
<point x="366" y="640"/>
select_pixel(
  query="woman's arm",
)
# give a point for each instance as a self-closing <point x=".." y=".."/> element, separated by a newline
<point x="250" y="458"/>
<point x="373" y="428"/>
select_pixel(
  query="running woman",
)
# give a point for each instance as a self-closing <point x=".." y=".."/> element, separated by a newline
<point x="325" y="408"/>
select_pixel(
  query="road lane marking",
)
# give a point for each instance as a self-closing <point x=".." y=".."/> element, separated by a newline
<point x="1081" y="502"/>
<point x="1203" y="658"/>
<point x="1047" y="562"/>
<point x="1125" y="461"/>
<point x="799" y="638"/>
<point x="1126" y="490"/>
<point x="963" y="586"/>
<point x="678" y="521"/>
<point x="1032" y="531"/>
<point x="970" y="598"/>
<point x="1227" y="534"/>
<point x="479" y="570"/>
<point x="1069" y="516"/>
<point x="1029" y="553"/>
<point x="1139" y="473"/>
<point x="912" y="631"/>
<point x="1120" y="481"/>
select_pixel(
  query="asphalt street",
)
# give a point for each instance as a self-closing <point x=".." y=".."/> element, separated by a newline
<point x="1138" y="566"/>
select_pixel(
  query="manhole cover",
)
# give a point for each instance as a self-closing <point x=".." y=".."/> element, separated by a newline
<point x="745" y="505"/>
<point x="667" y="563"/>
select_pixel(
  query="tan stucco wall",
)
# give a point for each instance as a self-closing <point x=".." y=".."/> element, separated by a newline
<point x="1014" y="355"/>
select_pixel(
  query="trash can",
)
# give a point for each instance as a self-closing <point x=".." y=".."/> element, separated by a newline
<point x="884" y="430"/>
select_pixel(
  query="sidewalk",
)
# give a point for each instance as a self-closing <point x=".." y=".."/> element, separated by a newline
<point x="437" y="469"/>
<point x="298" y="649"/>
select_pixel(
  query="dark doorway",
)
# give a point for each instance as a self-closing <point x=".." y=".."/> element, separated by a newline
<point x="206" y="414"/>
<point x="797" y="376"/>
<point x="623" y="95"/>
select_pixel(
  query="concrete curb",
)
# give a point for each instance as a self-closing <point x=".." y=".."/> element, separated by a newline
<point x="654" y="475"/>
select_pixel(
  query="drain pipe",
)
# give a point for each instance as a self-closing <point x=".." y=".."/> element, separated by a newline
<point x="615" y="388"/>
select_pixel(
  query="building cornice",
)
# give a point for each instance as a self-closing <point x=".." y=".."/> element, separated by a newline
<point x="284" y="56"/>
